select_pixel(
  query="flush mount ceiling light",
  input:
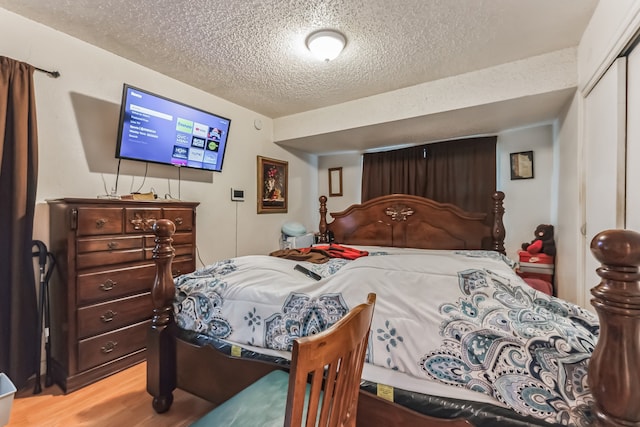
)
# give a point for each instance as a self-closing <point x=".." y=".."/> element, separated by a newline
<point x="326" y="44"/>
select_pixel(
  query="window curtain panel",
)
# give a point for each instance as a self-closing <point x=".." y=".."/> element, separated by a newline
<point x="18" y="178"/>
<point x="461" y="172"/>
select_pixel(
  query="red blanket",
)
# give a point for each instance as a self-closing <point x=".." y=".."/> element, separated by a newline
<point x="338" y="251"/>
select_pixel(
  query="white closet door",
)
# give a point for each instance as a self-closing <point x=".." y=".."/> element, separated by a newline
<point x="633" y="140"/>
<point x="604" y="165"/>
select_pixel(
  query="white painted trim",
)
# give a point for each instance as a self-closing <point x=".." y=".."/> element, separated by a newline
<point x="624" y="36"/>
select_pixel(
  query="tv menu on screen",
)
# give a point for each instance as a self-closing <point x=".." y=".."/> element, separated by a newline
<point x="156" y="129"/>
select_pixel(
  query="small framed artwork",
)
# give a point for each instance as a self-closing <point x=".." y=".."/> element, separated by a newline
<point x="335" y="182"/>
<point x="522" y="165"/>
<point x="272" y="185"/>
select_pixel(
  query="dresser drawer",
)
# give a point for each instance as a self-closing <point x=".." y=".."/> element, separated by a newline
<point x="96" y="244"/>
<point x="97" y="259"/>
<point x="103" y="348"/>
<point x="96" y="221"/>
<point x="182" y="218"/>
<point x="138" y="220"/>
<point x="179" y="250"/>
<point x="111" y="284"/>
<point x="178" y="239"/>
<point x="104" y="317"/>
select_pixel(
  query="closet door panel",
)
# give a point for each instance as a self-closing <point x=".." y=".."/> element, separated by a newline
<point x="604" y="165"/>
<point x="633" y="140"/>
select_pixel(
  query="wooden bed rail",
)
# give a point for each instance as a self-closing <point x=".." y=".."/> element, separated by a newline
<point x="614" y="368"/>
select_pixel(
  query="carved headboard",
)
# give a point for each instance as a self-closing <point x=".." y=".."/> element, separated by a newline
<point x="403" y="220"/>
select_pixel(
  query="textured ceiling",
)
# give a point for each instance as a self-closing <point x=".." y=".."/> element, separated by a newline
<point x="252" y="52"/>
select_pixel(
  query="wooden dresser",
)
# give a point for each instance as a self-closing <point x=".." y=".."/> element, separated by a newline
<point x="100" y="292"/>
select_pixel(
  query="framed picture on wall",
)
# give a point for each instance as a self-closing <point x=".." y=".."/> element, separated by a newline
<point x="272" y="185"/>
<point x="335" y="182"/>
<point x="522" y="165"/>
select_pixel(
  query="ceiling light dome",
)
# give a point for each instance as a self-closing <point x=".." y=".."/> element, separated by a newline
<point x="326" y="44"/>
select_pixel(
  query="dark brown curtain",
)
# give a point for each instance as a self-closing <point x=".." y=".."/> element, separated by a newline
<point x="18" y="176"/>
<point x="462" y="172"/>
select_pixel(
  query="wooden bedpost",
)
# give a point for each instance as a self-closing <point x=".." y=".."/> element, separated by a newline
<point x="161" y="346"/>
<point x="498" y="230"/>
<point x="614" y="369"/>
<point x="322" y="228"/>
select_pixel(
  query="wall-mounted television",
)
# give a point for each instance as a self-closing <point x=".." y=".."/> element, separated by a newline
<point x="157" y="129"/>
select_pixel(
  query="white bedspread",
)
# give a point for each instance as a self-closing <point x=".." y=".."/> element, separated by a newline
<point x="460" y="318"/>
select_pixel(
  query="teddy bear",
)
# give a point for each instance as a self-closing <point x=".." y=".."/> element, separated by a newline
<point x="543" y="243"/>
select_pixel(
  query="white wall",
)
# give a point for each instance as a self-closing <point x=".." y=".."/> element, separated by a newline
<point x="351" y="164"/>
<point x="613" y="25"/>
<point x="569" y="240"/>
<point x="633" y="141"/>
<point x="527" y="201"/>
<point x="77" y="126"/>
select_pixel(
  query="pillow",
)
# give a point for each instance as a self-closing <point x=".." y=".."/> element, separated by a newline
<point x="293" y="229"/>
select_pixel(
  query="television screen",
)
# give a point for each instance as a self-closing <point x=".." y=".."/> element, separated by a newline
<point x="156" y="129"/>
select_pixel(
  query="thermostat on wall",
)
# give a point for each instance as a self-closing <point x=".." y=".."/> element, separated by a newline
<point x="237" y="195"/>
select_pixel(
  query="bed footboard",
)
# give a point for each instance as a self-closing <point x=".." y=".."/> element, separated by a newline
<point x="172" y="362"/>
<point x="615" y="363"/>
<point x="161" y="343"/>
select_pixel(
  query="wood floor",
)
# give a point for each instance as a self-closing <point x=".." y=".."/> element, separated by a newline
<point x="120" y="400"/>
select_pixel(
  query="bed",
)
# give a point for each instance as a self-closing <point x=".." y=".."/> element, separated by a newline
<point x="219" y="329"/>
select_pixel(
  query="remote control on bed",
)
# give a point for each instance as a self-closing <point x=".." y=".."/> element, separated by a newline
<point x="307" y="272"/>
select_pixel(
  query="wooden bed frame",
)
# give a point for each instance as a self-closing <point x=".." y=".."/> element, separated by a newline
<point x="409" y="221"/>
<point x="401" y="220"/>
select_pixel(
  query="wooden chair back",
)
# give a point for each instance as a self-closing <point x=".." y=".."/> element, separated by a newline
<point x="332" y="363"/>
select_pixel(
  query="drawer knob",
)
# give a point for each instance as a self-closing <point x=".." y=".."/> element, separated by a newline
<point x="112" y="245"/>
<point x="178" y="221"/>
<point x="100" y="223"/>
<point x="108" y="285"/>
<point x="109" y="347"/>
<point x="108" y="316"/>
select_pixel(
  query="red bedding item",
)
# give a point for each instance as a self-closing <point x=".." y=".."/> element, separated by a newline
<point x="539" y="285"/>
<point x="339" y="251"/>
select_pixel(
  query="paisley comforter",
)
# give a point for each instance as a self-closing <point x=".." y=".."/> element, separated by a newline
<point x="461" y="318"/>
